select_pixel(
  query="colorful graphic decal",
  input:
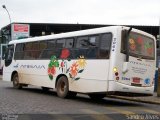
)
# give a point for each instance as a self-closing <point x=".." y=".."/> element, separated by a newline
<point x="125" y="78"/>
<point x="52" y="67"/>
<point x="73" y="70"/>
<point x="147" y="81"/>
<point x="132" y="44"/>
<point x="138" y="45"/>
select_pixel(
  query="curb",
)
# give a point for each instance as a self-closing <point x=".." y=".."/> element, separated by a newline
<point x="135" y="100"/>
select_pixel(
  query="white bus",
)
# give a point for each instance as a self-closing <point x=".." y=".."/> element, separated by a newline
<point x="109" y="60"/>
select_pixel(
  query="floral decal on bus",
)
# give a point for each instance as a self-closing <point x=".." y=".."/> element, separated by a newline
<point x="73" y="70"/>
<point x="52" y="67"/>
<point x="141" y="45"/>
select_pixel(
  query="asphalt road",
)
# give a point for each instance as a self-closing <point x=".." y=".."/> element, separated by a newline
<point x="32" y="103"/>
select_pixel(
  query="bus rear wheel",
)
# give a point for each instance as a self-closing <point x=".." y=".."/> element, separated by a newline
<point x="62" y="87"/>
<point x="16" y="83"/>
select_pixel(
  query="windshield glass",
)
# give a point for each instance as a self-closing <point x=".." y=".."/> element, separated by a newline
<point x="141" y="46"/>
<point x="9" y="52"/>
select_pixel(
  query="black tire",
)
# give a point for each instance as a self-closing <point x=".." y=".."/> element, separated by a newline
<point x="97" y="96"/>
<point x="45" y="89"/>
<point x="15" y="81"/>
<point x="62" y="87"/>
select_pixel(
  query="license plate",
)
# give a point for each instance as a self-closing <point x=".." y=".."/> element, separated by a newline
<point x="136" y="80"/>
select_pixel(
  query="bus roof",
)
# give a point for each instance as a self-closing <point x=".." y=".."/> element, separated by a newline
<point x="72" y="34"/>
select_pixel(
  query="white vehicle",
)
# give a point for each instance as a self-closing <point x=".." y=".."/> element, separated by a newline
<point x="109" y="60"/>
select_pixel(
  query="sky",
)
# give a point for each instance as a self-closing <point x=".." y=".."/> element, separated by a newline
<point x="117" y="12"/>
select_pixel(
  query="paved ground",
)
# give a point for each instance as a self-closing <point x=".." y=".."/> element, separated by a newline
<point x="33" y="103"/>
<point x="151" y="99"/>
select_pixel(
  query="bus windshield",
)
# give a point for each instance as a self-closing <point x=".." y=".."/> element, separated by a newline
<point x="9" y="53"/>
<point x="141" y="46"/>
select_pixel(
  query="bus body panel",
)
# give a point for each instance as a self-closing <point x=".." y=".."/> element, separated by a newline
<point x="131" y="90"/>
<point x="92" y="75"/>
<point x="35" y="72"/>
<point x="139" y="77"/>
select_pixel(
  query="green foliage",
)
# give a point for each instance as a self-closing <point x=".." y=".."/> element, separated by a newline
<point x="80" y="71"/>
<point x="50" y="77"/>
<point x="77" y="78"/>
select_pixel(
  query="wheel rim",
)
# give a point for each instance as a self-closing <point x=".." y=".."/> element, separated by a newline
<point x="62" y="87"/>
<point x="15" y="81"/>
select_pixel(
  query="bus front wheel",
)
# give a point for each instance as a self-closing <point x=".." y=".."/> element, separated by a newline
<point x="16" y="83"/>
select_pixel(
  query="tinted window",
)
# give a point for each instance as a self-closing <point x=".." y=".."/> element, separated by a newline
<point x="82" y="42"/>
<point x="19" y="52"/>
<point x="35" y="46"/>
<point x="19" y="47"/>
<point x="69" y="43"/>
<point x="138" y="45"/>
<point x="105" y="45"/>
<point x="9" y="55"/>
<point x="42" y="45"/>
<point x="87" y="46"/>
<point x="51" y="44"/>
<point x="47" y="49"/>
<point x="60" y="43"/>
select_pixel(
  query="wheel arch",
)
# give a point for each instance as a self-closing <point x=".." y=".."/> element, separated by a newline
<point x="13" y="73"/>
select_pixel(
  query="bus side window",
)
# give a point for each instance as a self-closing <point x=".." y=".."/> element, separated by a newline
<point x="93" y="47"/>
<point x="81" y="47"/>
<point x="87" y="46"/>
<point x="27" y="51"/>
<point x="19" y="51"/>
<point x="60" y="44"/>
<point x="47" y="49"/>
<point x="69" y="45"/>
<point x="35" y="50"/>
<point x="105" y="45"/>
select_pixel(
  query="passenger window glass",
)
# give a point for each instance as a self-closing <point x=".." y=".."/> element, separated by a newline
<point x="82" y="42"/>
<point x="43" y="45"/>
<point x="28" y="46"/>
<point x="35" y="46"/>
<point x="19" y="52"/>
<point x="69" y="43"/>
<point x="60" y="43"/>
<point x="105" y="45"/>
<point x="93" y="41"/>
<point x="51" y="44"/>
<point x="87" y="46"/>
<point x="20" y="47"/>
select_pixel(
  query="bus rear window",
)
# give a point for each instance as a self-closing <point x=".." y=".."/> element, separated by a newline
<point x="141" y="46"/>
